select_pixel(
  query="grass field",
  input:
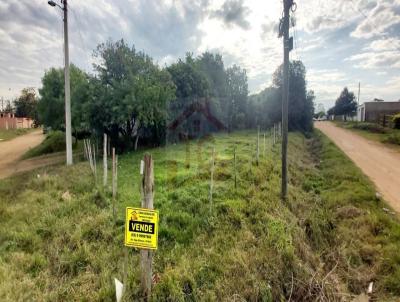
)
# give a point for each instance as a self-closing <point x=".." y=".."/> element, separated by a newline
<point x="58" y="240"/>
<point x="374" y="132"/>
<point x="12" y="133"/>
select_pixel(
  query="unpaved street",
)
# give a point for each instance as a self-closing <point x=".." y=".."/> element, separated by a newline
<point x="380" y="163"/>
<point x="12" y="150"/>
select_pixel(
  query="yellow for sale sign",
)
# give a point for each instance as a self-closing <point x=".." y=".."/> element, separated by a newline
<point x="141" y="228"/>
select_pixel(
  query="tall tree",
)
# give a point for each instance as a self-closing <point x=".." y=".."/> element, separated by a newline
<point x="26" y="104"/>
<point x="51" y="106"/>
<point x="301" y="105"/>
<point x="130" y="95"/>
<point x="236" y="97"/>
<point x="346" y="103"/>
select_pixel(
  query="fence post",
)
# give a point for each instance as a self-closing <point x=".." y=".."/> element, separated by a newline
<point x="234" y="165"/>
<point x="114" y="180"/>
<point x="94" y="163"/>
<point x="146" y="255"/>
<point x="105" y="160"/>
<point x="212" y="179"/>
<point x="265" y="146"/>
<point x="258" y="144"/>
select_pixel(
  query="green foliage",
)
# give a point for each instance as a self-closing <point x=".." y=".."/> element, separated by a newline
<point x="131" y="95"/>
<point x="396" y="121"/>
<point x="393" y="138"/>
<point x="345" y="104"/>
<point x="371" y="127"/>
<point x="51" y="106"/>
<point x="26" y="104"/>
<point x="266" y="107"/>
<point x="54" y="142"/>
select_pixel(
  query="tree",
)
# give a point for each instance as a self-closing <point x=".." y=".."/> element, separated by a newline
<point x="129" y="95"/>
<point x="237" y="93"/>
<point x="26" y="104"/>
<point x="9" y="108"/>
<point x="345" y="104"/>
<point x="301" y="101"/>
<point x="51" y="106"/>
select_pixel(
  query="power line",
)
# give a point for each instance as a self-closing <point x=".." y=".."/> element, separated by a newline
<point x="83" y="45"/>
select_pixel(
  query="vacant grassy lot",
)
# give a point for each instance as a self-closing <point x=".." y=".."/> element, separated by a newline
<point x="374" y="132"/>
<point x="58" y="240"/>
<point x="11" y="133"/>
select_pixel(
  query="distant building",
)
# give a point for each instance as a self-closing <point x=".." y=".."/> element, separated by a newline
<point x="9" y="121"/>
<point x="375" y="111"/>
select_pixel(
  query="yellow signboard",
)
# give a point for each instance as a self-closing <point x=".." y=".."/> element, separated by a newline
<point x="141" y="228"/>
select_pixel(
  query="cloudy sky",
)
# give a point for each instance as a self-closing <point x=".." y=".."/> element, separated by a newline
<point x="341" y="42"/>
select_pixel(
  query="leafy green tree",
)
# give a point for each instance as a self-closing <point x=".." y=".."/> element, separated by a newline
<point x="345" y="104"/>
<point x="129" y="95"/>
<point x="237" y="97"/>
<point x="51" y="106"/>
<point x="26" y="104"/>
<point x="189" y="80"/>
<point x="301" y="101"/>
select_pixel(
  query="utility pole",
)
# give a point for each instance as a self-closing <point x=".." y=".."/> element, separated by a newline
<point x="287" y="47"/>
<point x="358" y="98"/>
<point x="68" y="134"/>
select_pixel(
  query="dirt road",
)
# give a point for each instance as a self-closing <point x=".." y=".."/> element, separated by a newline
<point x="12" y="150"/>
<point x="380" y="163"/>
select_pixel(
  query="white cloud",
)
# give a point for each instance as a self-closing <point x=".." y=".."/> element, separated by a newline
<point x="378" y="20"/>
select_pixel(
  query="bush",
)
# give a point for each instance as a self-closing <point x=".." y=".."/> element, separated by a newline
<point x="393" y="138"/>
<point x="396" y="121"/>
<point x="371" y="127"/>
<point x="54" y="142"/>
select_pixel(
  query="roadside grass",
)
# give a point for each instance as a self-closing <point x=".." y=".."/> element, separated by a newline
<point x="53" y="143"/>
<point x="12" y="133"/>
<point x="374" y="132"/>
<point x="59" y="242"/>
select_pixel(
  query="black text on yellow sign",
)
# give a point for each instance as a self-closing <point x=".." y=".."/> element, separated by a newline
<point x="141" y="228"/>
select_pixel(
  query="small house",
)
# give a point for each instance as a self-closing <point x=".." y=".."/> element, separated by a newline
<point x="377" y="111"/>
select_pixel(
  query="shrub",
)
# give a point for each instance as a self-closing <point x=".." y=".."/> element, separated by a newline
<point x="393" y="138"/>
<point x="54" y="142"/>
<point x="396" y="121"/>
<point x="372" y="127"/>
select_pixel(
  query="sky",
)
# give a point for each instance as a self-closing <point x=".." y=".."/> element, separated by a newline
<point x="341" y="42"/>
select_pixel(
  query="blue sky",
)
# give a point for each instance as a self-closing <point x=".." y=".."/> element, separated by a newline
<point x="340" y="42"/>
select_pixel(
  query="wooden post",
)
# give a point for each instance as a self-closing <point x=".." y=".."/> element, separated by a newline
<point x="265" y="146"/>
<point x="85" y="150"/>
<point x="105" y="160"/>
<point x="146" y="256"/>
<point x="258" y="144"/>
<point x="114" y="180"/>
<point x="212" y="179"/>
<point x="234" y="165"/>
<point x="94" y="163"/>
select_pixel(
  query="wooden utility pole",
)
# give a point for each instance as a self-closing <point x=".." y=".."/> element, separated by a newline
<point x="358" y="98"/>
<point x="287" y="45"/>
<point x="146" y="255"/>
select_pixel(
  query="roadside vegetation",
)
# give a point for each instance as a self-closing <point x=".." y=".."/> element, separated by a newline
<point x="59" y="241"/>
<point x="54" y="142"/>
<point x="373" y="131"/>
<point x="12" y="133"/>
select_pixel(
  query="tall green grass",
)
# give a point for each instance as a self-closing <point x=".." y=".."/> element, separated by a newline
<point x="329" y="239"/>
